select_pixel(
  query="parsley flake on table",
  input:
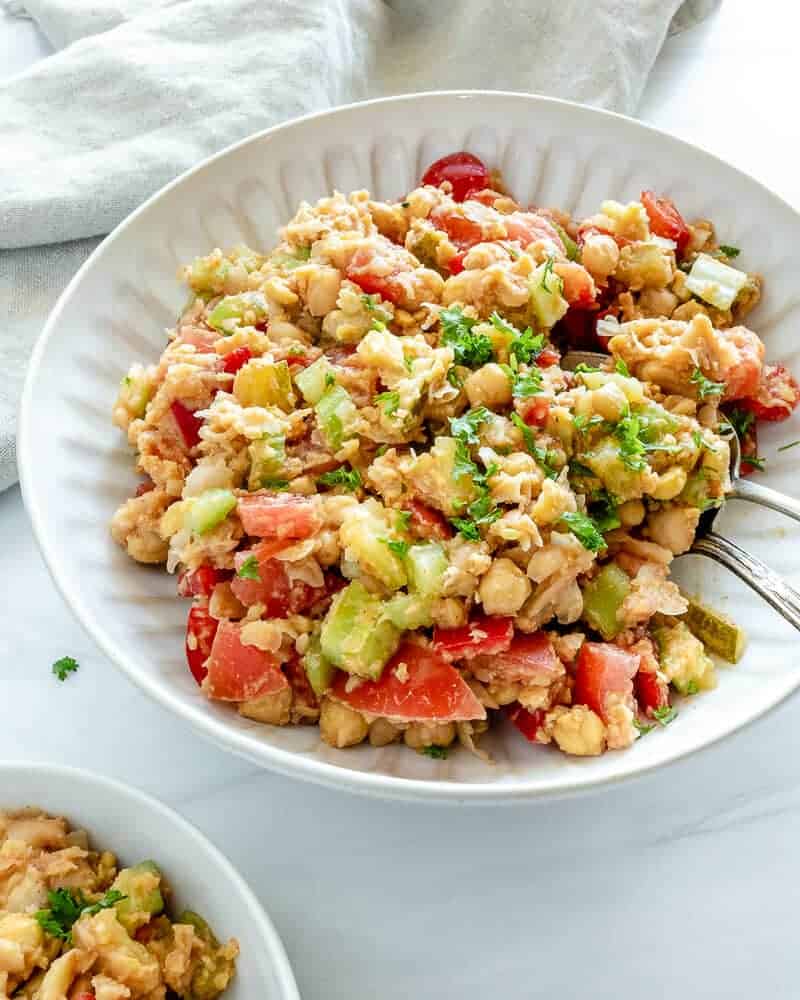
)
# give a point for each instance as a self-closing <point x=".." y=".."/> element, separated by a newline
<point x="585" y="530"/>
<point x="469" y="348"/>
<point x="705" y="386"/>
<point x="249" y="569"/>
<point x="65" y="666"/>
<point x="791" y="444"/>
<point x="350" y="479"/>
<point x="728" y="250"/>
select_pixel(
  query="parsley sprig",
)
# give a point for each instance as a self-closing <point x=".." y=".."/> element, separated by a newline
<point x="249" y="569"/>
<point x="350" y="478"/>
<point x="66" y="906"/>
<point x="469" y="348"/>
<point x="388" y="401"/>
<point x="543" y="457"/>
<point x="585" y="530"/>
<point x="706" y="387"/>
<point x="524" y="346"/>
<point x="65" y="666"/>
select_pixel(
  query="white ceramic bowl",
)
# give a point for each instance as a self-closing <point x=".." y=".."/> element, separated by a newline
<point x="76" y="468"/>
<point x="134" y="827"/>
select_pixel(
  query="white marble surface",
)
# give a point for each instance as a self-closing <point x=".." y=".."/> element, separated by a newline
<point x="683" y="884"/>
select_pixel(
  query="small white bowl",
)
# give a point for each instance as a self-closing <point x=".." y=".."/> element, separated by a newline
<point x="135" y="827"/>
<point x="76" y="468"/>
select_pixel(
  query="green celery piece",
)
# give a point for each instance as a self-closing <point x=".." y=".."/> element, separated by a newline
<point x="408" y="611"/>
<point x="603" y="597"/>
<point x="335" y="413"/>
<point x="264" y="384"/>
<point x="356" y="634"/>
<point x="141" y="898"/>
<point x="426" y="564"/>
<point x="311" y="381"/>
<point x="548" y="304"/>
<point x="135" y="392"/>
<point x="230" y="312"/>
<point x="715" y="282"/>
<point x="366" y="538"/>
<point x="210" y="509"/>
<point x="320" y="672"/>
<point x="267" y="456"/>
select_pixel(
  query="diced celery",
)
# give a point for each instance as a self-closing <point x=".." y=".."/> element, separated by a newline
<point x="267" y="457"/>
<point x="245" y="309"/>
<point x="200" y="924"/>
<point x="571" y="248"/>
<point x="632" y="387"/>
<point x="603" y="597"/>
<point x="606" y="463"/>
<point x="548" y="304"/>
<point x="356" y="634"/>
<point x="135" y="391"/>
<point x="143" y="899"/>
<point x="697" y="491"/>
<point x="264" y="383"/>
<point x="365" y="535"/>
<point x="320" y="671"/>
<point x="311" y="381"/>
<point x="655" y="422"/>
<point x="716" y="631"/>
<point x="210" y="509"/>
<point x="408" y="611"/>
<point x="683" y="659"/>
<point x="715" y="282"/>
<point x="336" y="414"/>
<point x="426" y="564"/>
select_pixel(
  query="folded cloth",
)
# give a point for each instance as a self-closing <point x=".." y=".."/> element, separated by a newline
<point x="140" y="90"/>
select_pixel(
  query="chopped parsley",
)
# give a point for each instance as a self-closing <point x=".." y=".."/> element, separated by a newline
<point x="524" y="346"/>
<point x="523" y="384"/>
<point x="692" y="687"/>
<point x="584" y="529"/>
<point x="547" y="274"/>
<point x="67" y="906"/>
<point x="705" y="386"/>
<point x="65" y="666"/>
<point x="701" y="443"/>
<point x="275" y="484"/>
<point x="482" y="510"/>
<point x="543" y="458"/>
<point x="604" y="510"/>
<point x="396" y="545"/>
<point x="454" y="378"/>
<point x="582" y="423"/>
<point x="249" y="569"/>
<point x="631" y="447"/>
<point x="755" y="460"/>
<point x="621" y="368"/>
<point x="409" y="363"/>
<point x="665" y="715"/>
<point x="388" y="401"/>
<point x="583" y="367"/>
<point x="350" y="479"/>
<point x="466" y="428"/>
<point x="791" y="444"/>
<point x="740" y="420"/>
<point x="437" y="753"/>
<point x="372" y="304"/>
<point x="403" y="520"/>
<point x="330" y="380"/>
<point x="728" y="250"/>
<point x="643" y="727"/>
<point x="469" y="348"/>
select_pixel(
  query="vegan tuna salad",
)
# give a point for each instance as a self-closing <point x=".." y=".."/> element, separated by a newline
<point x="74" y="926"/>
<point x="396" y="516"/>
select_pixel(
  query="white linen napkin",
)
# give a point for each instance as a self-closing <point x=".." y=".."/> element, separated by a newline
<point x="140" y="90"/>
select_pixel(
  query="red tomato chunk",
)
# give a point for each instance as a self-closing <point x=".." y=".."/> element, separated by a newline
<point x="528" y="723"/>
<point x="233" y="362"/>
<point x="416" y="685"/>
<point x="665" y="220"/>
<point x="483" y="635"/>
<point x="238" y="672"/>
<point x="188" y="424"/>
<point x="602" y="670"/>
<point x="529" y="659"/>
<point x="200" y="631"/>
<point x="426" y="522"/>
<point x="778" y="395"/>
<point x="651" y="692"/>
<point x="282" y="516"/>
<point x="465" y="172"/>
<point x="273" y="588"/>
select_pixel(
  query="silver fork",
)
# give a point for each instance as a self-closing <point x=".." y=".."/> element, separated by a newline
<point x="774" y="589"/>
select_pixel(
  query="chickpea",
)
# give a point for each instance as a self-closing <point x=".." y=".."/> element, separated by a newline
<point x="448" y="612"/>
<point x="340" y="726"/>
<point x="504" y="589"/>
<point x="631" y="513"/>
<point x="600" y="255"/>
<point x="426" y="734"/>
<point x="674" y="528"/>
<point x="609" y="402"/>
<point x="580" y="732"/>
<point x="658" y="302"/>
<point x="273" y="709"/>
<point x="382" y="733"/>
<point x="323" y="290"/>
<point x="669" y="484"/>
<point x="488" y="386"/>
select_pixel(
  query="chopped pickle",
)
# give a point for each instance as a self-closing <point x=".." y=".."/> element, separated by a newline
<point x="356" y="634"/>
<point x="320" y="671"/>
<point x="336" y="413"/>
<point x="366" y="536"/>
<point x="409" y="611"/>
<point x="426" y="564"/>
<point x="245" y="309"/>
<point x="141" y="886"/>
<point x="214" y="968"/>
<point x="311" y="381"/>
<point x="683" y="659"/>
<point x="603" y="597"/>
<point x="264" y="383"/>
<point x="716" y="631"/>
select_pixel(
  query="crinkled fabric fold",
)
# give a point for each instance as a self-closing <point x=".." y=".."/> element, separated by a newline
<point x="140" y="90"/>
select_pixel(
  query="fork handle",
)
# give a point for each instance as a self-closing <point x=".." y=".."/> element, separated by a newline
<point x="767" y="584"/>
<point x="745" y="489"/>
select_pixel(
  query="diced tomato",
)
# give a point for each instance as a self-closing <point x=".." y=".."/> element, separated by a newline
<point x="665" y="220"/>
<point x="456" y="264"/>
<point x="376" y="284"/>
<point x="145" y="486"/>
<point x="200" y="337"/>
<point x="282" y="516"/>
<point x="579" y="287"/>
<point x="416" y="685"/>
<point x="464" y="232"/>
<point x="486" y="197"/>
<point x="778" y="395"/>
<point x="528" y="227"/>
<point x="232" y="362"/>
<point x="200" y="582"/>
<point x="535" y="411"/>
<point x="237" y="672"/>
<point x="743" y="354"/>
<point x="378" y="272"/>
<point x="484" y="635"/>
<point x="465" y="172"/>
<point x="529" y="659"/>
<point x="528" y="723"/>
<point x="188" y="424"/>
<point x="602" y="670"/>
<point x="547" y="358"/>
<point x="273" y="588"/>
<point x="651" y="691"/>
<point x="200" y="631"/>
<point x="426" y="522"/>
